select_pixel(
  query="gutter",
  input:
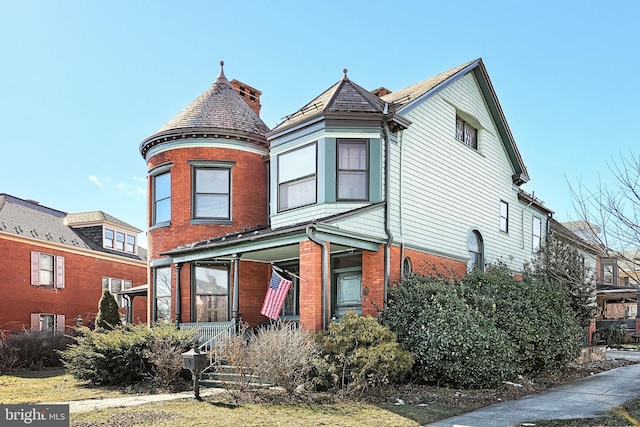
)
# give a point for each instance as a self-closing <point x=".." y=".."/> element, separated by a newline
<point x="325" y="276"/>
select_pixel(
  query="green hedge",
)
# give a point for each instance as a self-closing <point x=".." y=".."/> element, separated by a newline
<point x="482" y="330"/>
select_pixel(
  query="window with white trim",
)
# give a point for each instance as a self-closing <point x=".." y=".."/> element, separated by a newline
<point x="609" y="272"/>
<point x="115" y="286"/>
<point x="297" y="170"/>
<point x="504" y="216"/>
<point x="536" y="234"/>
<point x="47" y="270"/>
<point x="353" y="169"/>
<point x="119" y="240"/>
<point x="47" y="323"/>
<point x="466" y="133"/>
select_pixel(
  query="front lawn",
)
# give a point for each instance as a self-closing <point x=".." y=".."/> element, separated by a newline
<point x="49" y="386"/>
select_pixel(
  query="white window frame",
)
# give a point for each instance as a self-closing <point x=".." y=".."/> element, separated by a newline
<point x="39" y="271"/>
<point x="119" y="240"/>
<point x="57" y="322"/>
<point x="466" y="133"/>
<point x="115" y="286"/>
<point x="476" y="255"/>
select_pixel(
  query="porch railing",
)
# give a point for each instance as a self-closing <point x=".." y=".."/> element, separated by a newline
<point x="209" y="334"/>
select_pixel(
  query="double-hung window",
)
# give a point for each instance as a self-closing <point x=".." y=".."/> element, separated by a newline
<point x="353" y="170"/>
<point x="212" y="293"/>
<point x="211" y="192"/>
<point x="162" y="294"/>
<point x="466" y="133"/>
<point x="119" y="240"/>
<point x="297" y="178"/>
<point x="47" y="323"/>
<point x="161" y="198"/>
<point x="536" y="234"/>
<point x="47" y="270"/>
<point x="504" y="216"/>
<point x="115" y="286"/>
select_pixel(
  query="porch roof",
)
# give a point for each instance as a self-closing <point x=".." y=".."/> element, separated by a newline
<point x="272" y="245"/>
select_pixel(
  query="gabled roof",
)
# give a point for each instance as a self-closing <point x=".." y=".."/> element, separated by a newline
<point x="218" y="111"/>
<point x="343" y="97"/>
<point x="30" y="219"/>
<point x="405" y="98"/>
<point x="347" y="97"/>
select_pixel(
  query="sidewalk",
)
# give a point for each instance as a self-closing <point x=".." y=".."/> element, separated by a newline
<point x="588" y="397"/>
<point x="97" y="404"/>
<point x="585" y="398"/>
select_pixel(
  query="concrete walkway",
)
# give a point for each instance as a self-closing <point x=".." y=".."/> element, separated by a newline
<point x="119" y="402"/>
<point x="586" y="398"/>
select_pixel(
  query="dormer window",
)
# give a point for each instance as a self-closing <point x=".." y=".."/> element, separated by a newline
<point x="119" y="240"/>
<point x="466" y="133"/>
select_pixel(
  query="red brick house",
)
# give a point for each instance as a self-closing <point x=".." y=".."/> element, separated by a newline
<point x="54" y="266"/>
<point x="345" y="197"/>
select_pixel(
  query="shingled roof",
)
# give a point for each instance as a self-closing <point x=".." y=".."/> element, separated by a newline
<point x="218" y="111"/>
<point x="343" y="97"/>
<point x="29" y="219"/>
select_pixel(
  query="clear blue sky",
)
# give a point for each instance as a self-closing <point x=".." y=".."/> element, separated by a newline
<point x="82" y="83"/>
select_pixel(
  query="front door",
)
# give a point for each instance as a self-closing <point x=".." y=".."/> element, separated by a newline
<point x="348" y="293"/>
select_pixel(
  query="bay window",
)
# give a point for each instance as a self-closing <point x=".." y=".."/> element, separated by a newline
<point x="353" y="170"/>
<point x="297" y="171"/>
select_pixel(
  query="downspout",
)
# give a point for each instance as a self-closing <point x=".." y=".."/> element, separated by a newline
<point x="325" y="269"/>
<point x="178" y="296"/>
<point x="387" y="210"/>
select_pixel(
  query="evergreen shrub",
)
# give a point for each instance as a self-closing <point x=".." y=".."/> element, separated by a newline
<point x="123" y="355"/>
<point x="358" y="352"/>
<point x="484" y="329"/>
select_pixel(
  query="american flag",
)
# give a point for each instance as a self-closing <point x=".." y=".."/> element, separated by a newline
<point x="277" y="292"/>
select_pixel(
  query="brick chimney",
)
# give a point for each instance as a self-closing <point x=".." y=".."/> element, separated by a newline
<point x="250" y="95"/>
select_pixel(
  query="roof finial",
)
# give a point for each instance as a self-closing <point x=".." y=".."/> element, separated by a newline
<point x="222" y="70"/>
<point x="345" y="71"/>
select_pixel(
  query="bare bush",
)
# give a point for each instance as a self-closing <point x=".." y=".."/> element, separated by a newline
<point x="283" y="354"/>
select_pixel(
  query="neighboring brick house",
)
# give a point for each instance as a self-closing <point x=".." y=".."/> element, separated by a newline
<point x="347" y="195"/>
<point x="54" y="265"/>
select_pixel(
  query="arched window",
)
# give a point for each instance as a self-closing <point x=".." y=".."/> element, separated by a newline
<point x="476" y="251"/>
<point x="407" y="269"/>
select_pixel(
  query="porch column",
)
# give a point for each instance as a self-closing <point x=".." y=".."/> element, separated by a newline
<point x="311" y="286"/>
<point x="178" y="296"/>
<point x="236" y="288"/>
<point x="373" y="281"/>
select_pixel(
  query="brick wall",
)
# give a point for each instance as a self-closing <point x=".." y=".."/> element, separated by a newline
<point x="79" y="297"/>
<point x="311" y="286"/>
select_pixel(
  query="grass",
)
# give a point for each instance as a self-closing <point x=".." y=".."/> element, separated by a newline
<point x="58" y="385"/>
<point x="48" y="386"/>
<point x="191" y="413"/>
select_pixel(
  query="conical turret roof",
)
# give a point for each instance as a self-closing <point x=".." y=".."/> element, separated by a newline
<point x="218" y="111"/>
